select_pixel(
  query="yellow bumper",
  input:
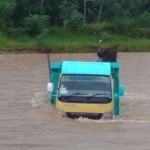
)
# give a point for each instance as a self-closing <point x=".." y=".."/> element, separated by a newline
<point x="83" y="107"/>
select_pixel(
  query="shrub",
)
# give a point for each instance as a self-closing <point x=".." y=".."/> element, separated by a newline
<point x="75" y="19"/>
<point x="122" y="25"/>
<point x="144" y="19"/>
<point x="42" y="38"/>
<point x="35" y="24"/>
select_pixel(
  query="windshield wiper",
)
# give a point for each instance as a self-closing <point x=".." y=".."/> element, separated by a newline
<point x="67" y="96"/>
<point x="96" y="95"/>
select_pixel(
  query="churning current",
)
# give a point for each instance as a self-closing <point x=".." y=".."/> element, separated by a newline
<point x="29" y="122"/>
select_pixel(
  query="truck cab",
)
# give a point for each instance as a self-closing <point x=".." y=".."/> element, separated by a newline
<point x="86" y="89"/>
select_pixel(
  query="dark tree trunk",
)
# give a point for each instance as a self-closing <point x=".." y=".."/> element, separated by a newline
<point x="41" y="12"/>
<point x="99" y="12"/>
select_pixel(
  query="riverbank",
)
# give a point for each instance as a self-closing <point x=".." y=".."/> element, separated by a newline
<point x="21" y="51"/>
<point x="72" y="43"/>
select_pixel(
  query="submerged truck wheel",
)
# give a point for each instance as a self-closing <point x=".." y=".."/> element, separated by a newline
<point x="90" y="116"/>
<point x="72" y="116"/>
<point x="96" y="117"/>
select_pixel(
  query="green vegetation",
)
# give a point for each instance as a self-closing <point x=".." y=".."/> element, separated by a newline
<point x="75" y="26"/>
<point x="74" y="42"/>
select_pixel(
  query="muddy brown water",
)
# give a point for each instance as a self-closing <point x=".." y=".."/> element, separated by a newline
<point x="29" y="122"/>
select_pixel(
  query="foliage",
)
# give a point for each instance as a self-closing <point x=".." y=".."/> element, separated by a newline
<point x="3" y="40"/>
<point x="144" y="19"/>
<point x="42" y="38"/>
<point x="35" y="24"/>
<point x="7" y="8"/>
<point x="122" y="25"/>
<point x="94" y="28"/>
<point x="75" y="19"/>
<point x="72" y="42"/>
<point x="69" y="13"/>
<point x="104" y="19"/>
<point x="15" y="32"/>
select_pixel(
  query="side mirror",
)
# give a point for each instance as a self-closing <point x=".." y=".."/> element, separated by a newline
<point x="121" y="90"/>
<point x="116" y="96"/>
<point x="50" y="87"/>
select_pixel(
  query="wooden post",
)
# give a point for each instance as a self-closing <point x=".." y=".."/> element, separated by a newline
<point x="48" y="60"/>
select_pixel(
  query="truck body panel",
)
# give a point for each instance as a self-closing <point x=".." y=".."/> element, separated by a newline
<point x="84" y="108"/>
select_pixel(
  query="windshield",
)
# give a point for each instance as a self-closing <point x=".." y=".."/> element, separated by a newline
<point x="85" y="85"/>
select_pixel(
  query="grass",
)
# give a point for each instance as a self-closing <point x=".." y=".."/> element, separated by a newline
<point x="75" y="42"/>
<point x="11" y="44"/>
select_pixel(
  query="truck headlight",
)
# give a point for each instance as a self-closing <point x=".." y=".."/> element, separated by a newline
<point x="62" y="113"/>
<point x="107" y="115"/>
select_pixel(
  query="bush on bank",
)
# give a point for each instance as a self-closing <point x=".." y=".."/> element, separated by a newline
<point x="124" y="37"/>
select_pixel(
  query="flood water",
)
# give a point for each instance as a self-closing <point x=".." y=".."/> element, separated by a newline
<point x="29" y="122"/>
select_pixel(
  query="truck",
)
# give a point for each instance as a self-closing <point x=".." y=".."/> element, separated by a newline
<point x="85" y="88"/>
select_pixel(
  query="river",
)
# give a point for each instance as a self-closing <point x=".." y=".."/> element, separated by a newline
<point x="29" y="122"/>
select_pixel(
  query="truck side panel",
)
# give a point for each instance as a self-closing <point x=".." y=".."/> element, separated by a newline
<point x="55" y="70"/>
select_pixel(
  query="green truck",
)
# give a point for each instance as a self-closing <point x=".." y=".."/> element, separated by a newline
<point x="86" y="89"/>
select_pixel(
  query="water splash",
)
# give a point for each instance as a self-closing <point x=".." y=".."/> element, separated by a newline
<point x="131" y="105"/>
<point x="40" y="99"/>
<point x="134" y="109"/>
<point x="81" y="119"/>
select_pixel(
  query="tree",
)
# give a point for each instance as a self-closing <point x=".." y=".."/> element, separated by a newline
<point x="7" y="8"/>
<point x="42" y="1"/>
<point x="100" y="3"/>
<point x="36" y="23"/>
<point x="75" y="19"/>
<point x="21" y="12"/>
